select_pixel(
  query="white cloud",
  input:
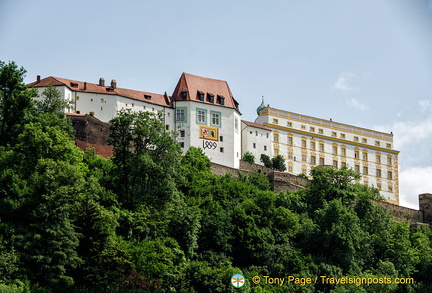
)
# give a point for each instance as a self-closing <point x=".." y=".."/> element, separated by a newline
<point x="412" y="182"/>
<point x="409" y="132"/>
<point x="412" y="139"/>
<point x="425" y="105"/>
<point x="344" y="82"/>
<point x="356" y="104"/>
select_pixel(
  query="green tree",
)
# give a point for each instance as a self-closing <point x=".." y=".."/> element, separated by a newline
<point x="266" y="161"/>
<point x="146" y="159"/>
<point x="248" y="157"/>
<point x="278" y="163"/>
<point x="15" y="101"/>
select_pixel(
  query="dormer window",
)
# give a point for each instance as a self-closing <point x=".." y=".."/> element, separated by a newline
<point x="210" y="98"/>
<point x="221" y="100"/>
<point x="74" y="84"/>
<point x="109" y="89"/>
<point x="147" y="97"/>
<point x="201" y="96"/>
<point x="184" y="95"/>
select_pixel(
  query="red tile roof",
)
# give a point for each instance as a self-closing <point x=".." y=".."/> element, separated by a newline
<point x="193" y="85"/>
<point x="252" y="124"/>
<point x="88" y="87"/>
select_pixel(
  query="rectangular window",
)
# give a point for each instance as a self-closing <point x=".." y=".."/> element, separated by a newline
<point x="356" y="154"/>
<point x="321" y="161"/>
<point x="365" y="156"/>
<point x="334" y="133"/>
<point x="321" y="147"/>
<point x="276" y="137"/>
<point x="343" y="151"/>
<point x="335" y="163"/>
<point x="184" y="95"/>
<point x="356" y="138"/>
<point x="254" y="145"/>
<point x="312" y="129"/>
<point x="378" y="172"/>
<point x="357" y="168"/>
<point x="236" y="124"/>
<point x="365" y="170"/>
<point x="342" y="135"/>
<point x="313" y="160"/>
<point x="182" y="144"/>
<point x="265" y="147"/>
<point x="221" y="138"/>
<point x="343" y="164"/>
<point x="289" y="124"/>
<point x="290" y="169"/>
<point x="304" y="158"/>
<point x="182" y="133"/>
<point x="211" y="98"/>
<point x="166" y="127"/>
<point x="275" y="121"/>
<point x="303" y="143"/>
<point x="215" y="118"/>
<point x="389" y="161"/>
<point x="221" y="100"/>
<point x="389" y="175"/>
<point x="201" y="96"/>
<point x="378" y="159"/>
<point x="364" y="140"/>
<point x="181" y="115"/>
<point x="290" y="140"/>
<point x="334" y="150"/>
<point x="221" y="149"/>
<point x="201" y="116"/>
<point x="290" y="155"/>
<point x="377" y="143"/>
<point x="388" y="145"/>
<point x="321" y="131"/>
<point x="303" y="127"/>
<point x="276" y="151"/>
<point x="312" y="145"/>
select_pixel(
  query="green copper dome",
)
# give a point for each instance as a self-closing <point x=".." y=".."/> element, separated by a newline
<point x="262" y="106"/>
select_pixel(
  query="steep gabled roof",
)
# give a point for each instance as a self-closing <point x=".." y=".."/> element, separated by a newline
<point x="253" y="124"/>
<point x="194" y="85"/>
<point x="88" y="87"/>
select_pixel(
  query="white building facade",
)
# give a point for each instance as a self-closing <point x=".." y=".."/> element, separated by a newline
<point x="306" y="142"/>
<point x="205" y="114"/>
<point x="256" y="139"/>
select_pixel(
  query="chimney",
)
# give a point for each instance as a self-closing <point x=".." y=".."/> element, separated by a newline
<point x="85" y="85"/>
<point x="101" y="81"/>
<point x="38" y="79"/>
<point x="113" y="83"/>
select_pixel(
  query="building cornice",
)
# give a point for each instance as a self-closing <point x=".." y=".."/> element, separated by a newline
<point x="335" y="139"/>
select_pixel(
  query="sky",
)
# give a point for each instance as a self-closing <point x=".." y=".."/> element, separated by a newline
<point x="366" y="63"/>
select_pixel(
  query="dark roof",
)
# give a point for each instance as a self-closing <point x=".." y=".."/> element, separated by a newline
<point x="193" y="85"/>
<point x="88" y="87"/>
<point x="252" y="124"/>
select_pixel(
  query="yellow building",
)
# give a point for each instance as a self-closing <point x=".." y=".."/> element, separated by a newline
<point x="306" y="141"/>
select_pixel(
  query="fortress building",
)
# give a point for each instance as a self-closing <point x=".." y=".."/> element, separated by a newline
<point x="205" y="114"/>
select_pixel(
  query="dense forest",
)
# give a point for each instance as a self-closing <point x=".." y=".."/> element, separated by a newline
<point x="151" y="220"/>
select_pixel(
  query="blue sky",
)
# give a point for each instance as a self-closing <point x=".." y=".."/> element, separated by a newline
<point x="366" y="63"/>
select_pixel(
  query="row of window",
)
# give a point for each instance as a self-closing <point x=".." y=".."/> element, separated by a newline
<point x="202" y="97"/>
<point x="215" y="116"/>
<point x="334" y="134"/>
<point x="304" y="170"/>
<point x="343" y="151"/>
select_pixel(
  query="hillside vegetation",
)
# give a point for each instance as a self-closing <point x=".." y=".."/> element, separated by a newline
<point x="150" y="220"/>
